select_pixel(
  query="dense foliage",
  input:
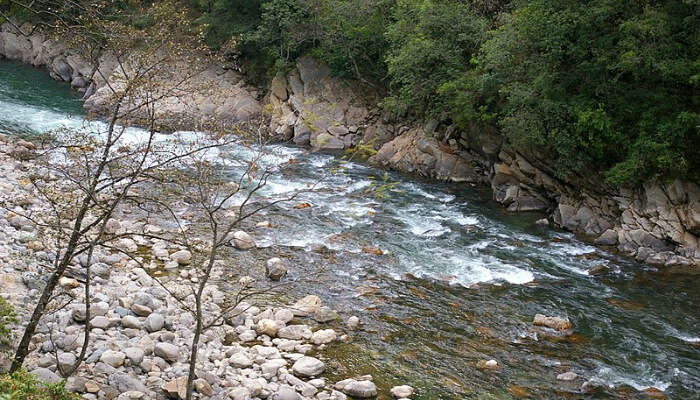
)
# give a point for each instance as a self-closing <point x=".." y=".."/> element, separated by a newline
<point x="606" y="86"/>
<point x="24" y="386"/>
<point x="586" y="86"/>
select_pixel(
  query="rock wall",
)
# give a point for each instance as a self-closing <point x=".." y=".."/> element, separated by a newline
<point x="41" y="51"/>
<point x="658" y="223"/>
<point x="214" y="94"/>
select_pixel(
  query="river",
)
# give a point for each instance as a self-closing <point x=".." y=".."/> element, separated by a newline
<point x="459" y="281"/>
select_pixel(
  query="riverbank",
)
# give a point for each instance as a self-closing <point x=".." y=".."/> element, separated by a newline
<point x="657" y="223"/>
<point x="140" y="333"/>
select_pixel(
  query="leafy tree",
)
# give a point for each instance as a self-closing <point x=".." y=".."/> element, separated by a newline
<point x="605" y="85"/>
<point x="431" y="43"/>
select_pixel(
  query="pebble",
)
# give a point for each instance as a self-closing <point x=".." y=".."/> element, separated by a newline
<point x="166" y="351"/>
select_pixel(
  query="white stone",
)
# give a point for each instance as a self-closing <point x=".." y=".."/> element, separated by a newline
<point x="403" y="391"/>
<point x="113" y="358"/>
<point x="308" y="367"/>
<point x="182" y="257"/>
<point x="323" y="336"/>
<point x="240" y="360"/>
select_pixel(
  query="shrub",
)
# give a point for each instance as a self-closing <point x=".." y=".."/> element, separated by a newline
<point x="24" y="386"/>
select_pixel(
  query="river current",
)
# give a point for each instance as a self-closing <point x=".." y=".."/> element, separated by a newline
<point x="459" y="280"/>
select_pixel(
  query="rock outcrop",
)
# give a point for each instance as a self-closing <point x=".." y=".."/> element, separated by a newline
<point x="33" y="47"/>
<point x="310" y="108"/>
<point x="657" y="223"/>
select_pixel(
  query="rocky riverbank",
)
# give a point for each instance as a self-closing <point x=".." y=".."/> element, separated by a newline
<point x="657" y="223"/>
<point x="140" y="334"/>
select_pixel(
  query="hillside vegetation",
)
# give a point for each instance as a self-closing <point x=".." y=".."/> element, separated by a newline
<point x="605" y="87"/>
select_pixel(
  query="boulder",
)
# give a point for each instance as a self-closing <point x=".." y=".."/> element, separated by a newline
<point x="182" y="257"/>
<point x="268" y="327"/>
<point x="240" y="360"/>
<point x="243" y="241"/>
<point x="45" y="375"/>
<point x="130" y="322"/>
<point x="239" y="393"/>
<point x="295" y="332"/>
<point x="362" y="389"/>
<point x="308" y="367"/>
<point x="286" y="393"/>
<point x="275" y="268"/>
<point x="323" y="336"/>
<point x="134" y="354"/>
<point x="113" y="358"/>
<point x="100" y="322"/>
<point x="154" y="322"/>
<point x="141" y="310"/>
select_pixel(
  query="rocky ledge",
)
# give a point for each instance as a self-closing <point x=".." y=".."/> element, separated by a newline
<point x="140" y="334"/>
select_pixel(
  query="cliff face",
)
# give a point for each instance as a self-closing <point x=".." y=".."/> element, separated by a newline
<point x="658" y="223"/>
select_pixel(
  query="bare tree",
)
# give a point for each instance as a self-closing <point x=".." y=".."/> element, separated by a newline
<point x="83" y="174"/>
<point x="219" y="194"/>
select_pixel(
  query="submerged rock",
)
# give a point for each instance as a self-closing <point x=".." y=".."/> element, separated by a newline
<point x="567" y="376"/>
<point x="275" y="268"/>
<point x="243" y="241"/>
<point x="556" y="323"/>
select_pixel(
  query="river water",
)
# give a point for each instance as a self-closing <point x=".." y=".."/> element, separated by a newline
<point x="459" y="281"/>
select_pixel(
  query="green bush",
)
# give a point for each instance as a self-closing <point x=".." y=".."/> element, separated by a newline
<point x="24" y="386"/>
<point x="7" y="319"/>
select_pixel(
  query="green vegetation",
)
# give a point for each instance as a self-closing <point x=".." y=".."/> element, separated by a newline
<point x="22" y="385"/>
<point x="599" y="86"/>
<point x="7" y="318"/>
<point x="608" y="87"/>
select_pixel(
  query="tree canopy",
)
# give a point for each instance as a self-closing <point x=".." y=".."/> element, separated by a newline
<point x="606" y="87"/>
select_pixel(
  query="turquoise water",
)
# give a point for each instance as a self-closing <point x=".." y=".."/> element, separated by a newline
<point x="459" y="281"/>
